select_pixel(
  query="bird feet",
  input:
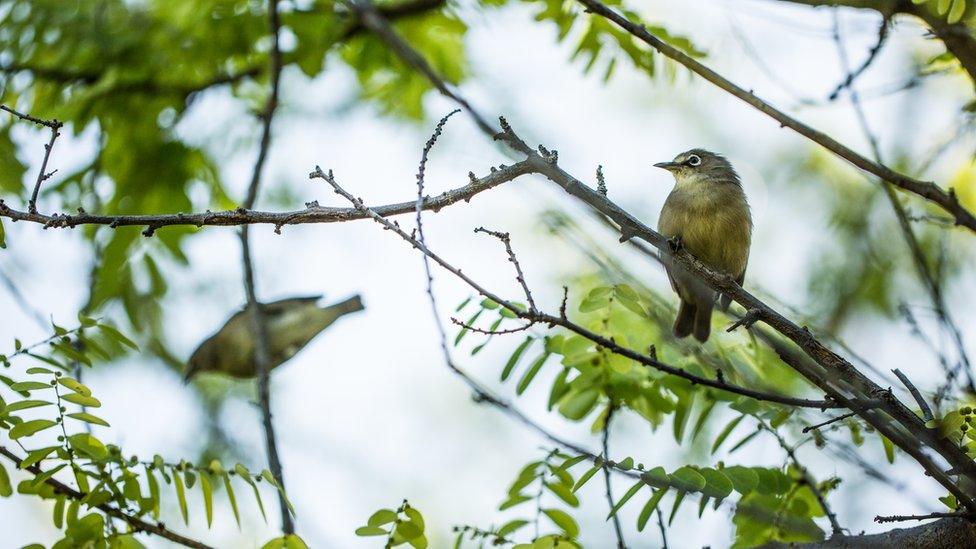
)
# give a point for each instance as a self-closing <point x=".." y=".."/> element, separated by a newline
<point x="675" y="244"/>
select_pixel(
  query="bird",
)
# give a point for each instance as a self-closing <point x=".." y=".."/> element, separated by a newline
<point x="291" y="323"/>
<point x="708" y="215"/>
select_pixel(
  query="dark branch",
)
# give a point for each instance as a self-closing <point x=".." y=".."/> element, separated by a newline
<point x="258" y="326"/>
<point x="926" y="411"/>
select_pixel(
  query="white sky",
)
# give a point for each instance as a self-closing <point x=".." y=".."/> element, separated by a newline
<point x="369" y="414"/>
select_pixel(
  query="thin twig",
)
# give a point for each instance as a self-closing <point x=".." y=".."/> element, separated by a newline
<point x="901" y="518"/>
<point x="828" y="422"/>
<point x="872" y="55"/>
<point x="926" y="410"/>
<point x="259" y="328"/>
<point x="55" y="126"/>
<point x="458" y="322"/>
<point x="136" y="523"/>
<point x="606" y="478"/>
<point x="507" y="241"/>
<point x="662" y="528"/>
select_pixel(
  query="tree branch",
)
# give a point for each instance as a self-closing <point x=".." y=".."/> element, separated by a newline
<point x="313" y="213"/>
<point x="137" y="524"/>
<point x="258" y="326"/>
<point x="947" y="200"/>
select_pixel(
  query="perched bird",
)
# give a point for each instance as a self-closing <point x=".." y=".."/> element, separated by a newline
<point x="708" y="215"/>
<point x="291" y="324"/>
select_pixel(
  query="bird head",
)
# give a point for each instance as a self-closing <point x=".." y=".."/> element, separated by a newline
<point x="201" y="360"/>
<point x="699" y="165"/>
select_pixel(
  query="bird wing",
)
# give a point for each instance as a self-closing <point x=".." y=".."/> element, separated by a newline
<point x="276" y="308"/>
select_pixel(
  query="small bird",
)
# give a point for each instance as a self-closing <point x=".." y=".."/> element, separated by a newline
<point x="707" y="214"/>
<point x="291" y="324"/>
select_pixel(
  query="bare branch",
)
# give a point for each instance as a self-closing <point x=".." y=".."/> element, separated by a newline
<point x="259" y="328"/>
<point x="311" y="214"/>
<point x="42" y="175"/>
<point x="606" y="477"/>
<point x="828" y="422"/>
<point x="901" y="518"/>
<point x="507" y="241"/>
<point x="926" y="411"/>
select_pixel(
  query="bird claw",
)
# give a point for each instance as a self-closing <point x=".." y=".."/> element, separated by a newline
<point x="675" y="244"/>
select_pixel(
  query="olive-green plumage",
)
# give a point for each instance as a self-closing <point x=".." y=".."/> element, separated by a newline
<point x="291" y="324"/>
<point x="708" y="215"/>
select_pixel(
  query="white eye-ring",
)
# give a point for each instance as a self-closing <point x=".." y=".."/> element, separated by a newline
<point x="694" y="160"/>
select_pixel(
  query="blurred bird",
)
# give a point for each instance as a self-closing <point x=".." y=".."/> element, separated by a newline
<point x="708" y="215"/>
<point x="291" y="324"/>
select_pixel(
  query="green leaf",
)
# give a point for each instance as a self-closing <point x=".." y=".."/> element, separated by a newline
<point x="153" y="491"/>
<point x="677" y="503"/>
<point x="570" y="462"/>
<point x="30" y="386"/>
<point x="88" y="418"/>
<point x="207" y="490"/>
<point x="464" y="330"/>
<point x="82" y="400"/>
<point x="35" y="456"/>
<point x="717" y="485"/>
<point x="511" y="527"/>
<point x="74" y="385"/>
<point x="28" y="428"/>
<point x="370" y="531"/>
<point x="586" y="476"/>
<point x="38" y="370"/>
<point x="381" y="517"/>
<point x="649" y="508"/>
<point x="530" y="374"/>
<point x="745" y="440"/>
<point x="291" y="541"/>
<point x="744" y="479"/>
<point x="117" y="336"/>
<point x="657" y="478"/>
<point x="232" y="498"/>
<point x="889" y="449"/>
<point x="5" y="488"/>
<point x="181" y="495"/>
<point x="563" y="520"/>
<point x="724" y="434"/>
<point x="687" y="479"/>
<point x="563" y="493"/>
<point x="579" y="405"/>
<point x="23" y="405"/>
<point x="43" y="477"/>
<point x="626" y="497"/>
<point x="702" y="417"/>
<point x="88" y="445"/>
<point x="513" y="360"/>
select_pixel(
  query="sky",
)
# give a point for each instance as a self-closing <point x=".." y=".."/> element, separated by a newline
<point x="369" y="413"/>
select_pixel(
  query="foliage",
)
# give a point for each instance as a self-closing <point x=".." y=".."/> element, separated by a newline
<point x="47" y="414"/>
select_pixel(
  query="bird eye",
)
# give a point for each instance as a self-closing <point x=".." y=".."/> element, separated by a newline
<point x="694" y="160"/>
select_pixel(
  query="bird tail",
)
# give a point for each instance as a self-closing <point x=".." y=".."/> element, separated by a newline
<point x="684" y="323"/>
<point x="351" y="305"/>
<point x="703" y="322"/>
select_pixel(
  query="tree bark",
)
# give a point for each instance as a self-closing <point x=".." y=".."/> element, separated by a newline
<point x="949" y="533"/>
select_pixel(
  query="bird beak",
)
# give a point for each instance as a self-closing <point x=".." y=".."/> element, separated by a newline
<point x="188" y="375"/>
<point x="666" y="165"/>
